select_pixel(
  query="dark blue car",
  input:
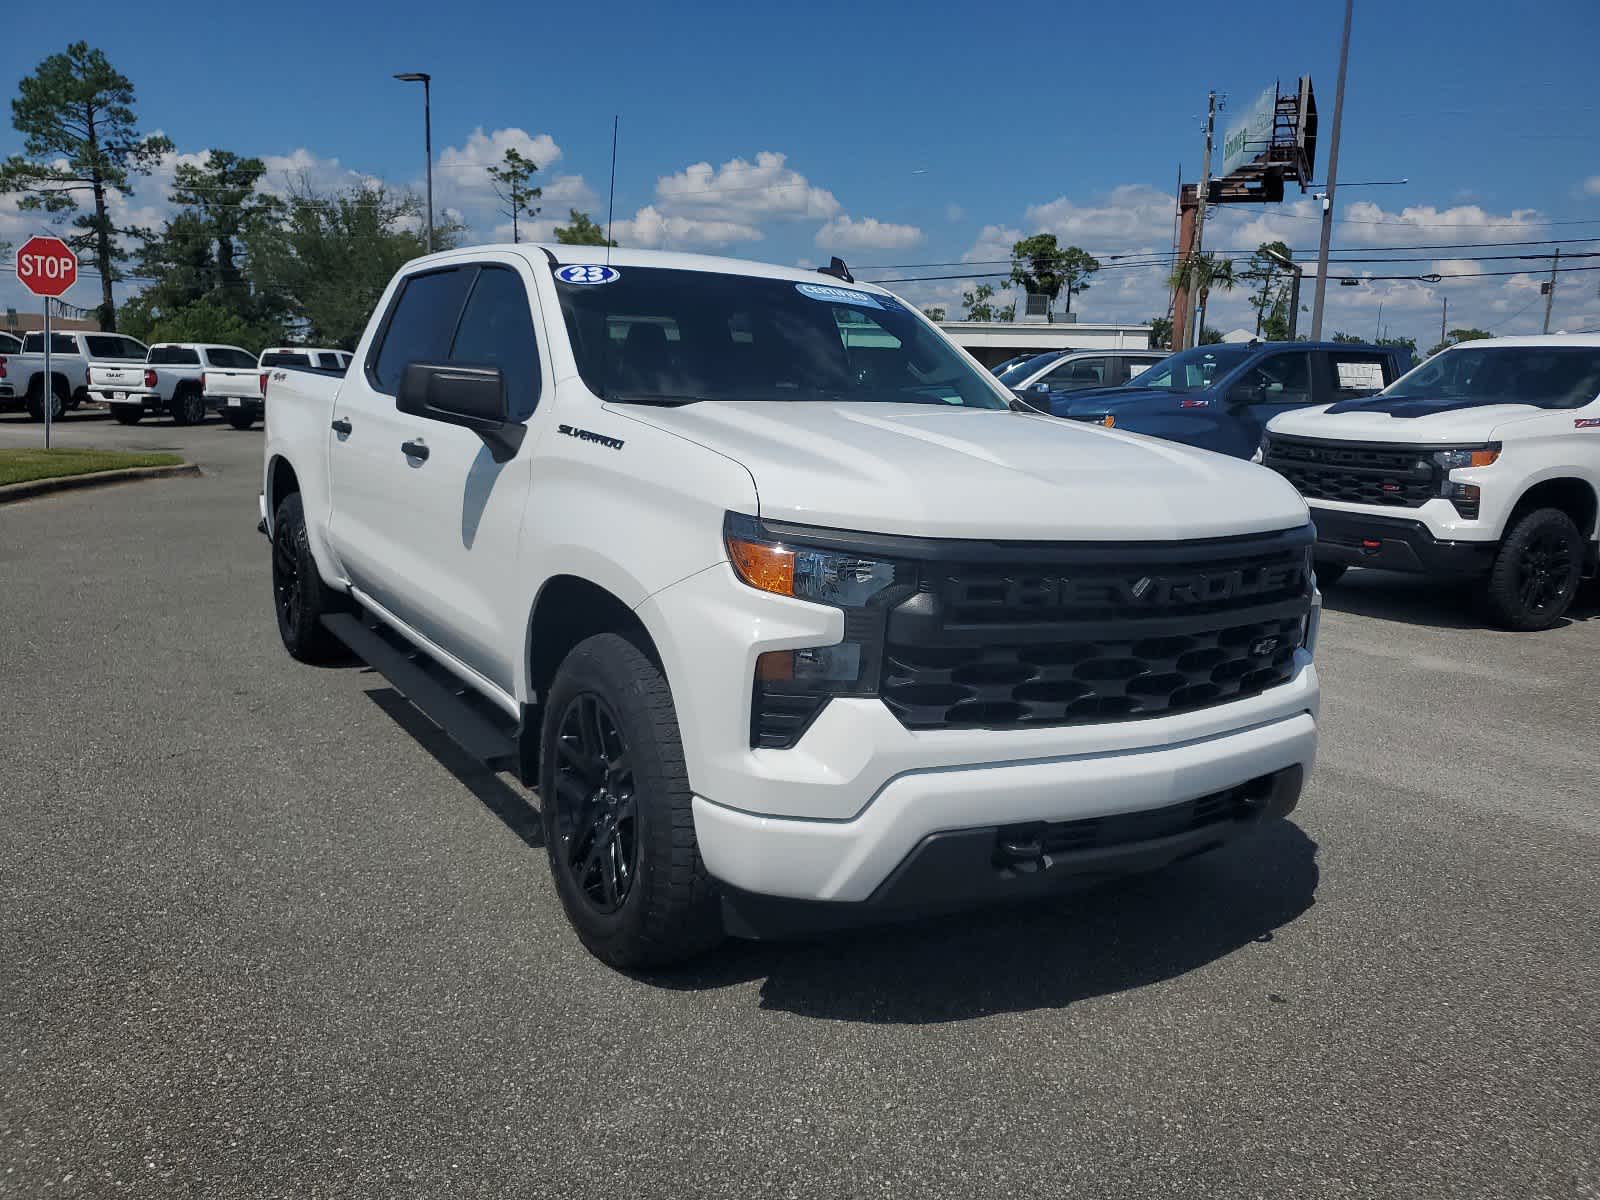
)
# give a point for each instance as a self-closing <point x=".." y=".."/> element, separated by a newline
<point x="1221" y="397"/>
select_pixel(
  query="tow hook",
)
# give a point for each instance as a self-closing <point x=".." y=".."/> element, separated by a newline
<point x="1020" y="848"/>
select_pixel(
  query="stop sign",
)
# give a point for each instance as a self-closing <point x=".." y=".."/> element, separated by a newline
<point x="46" y="266"/>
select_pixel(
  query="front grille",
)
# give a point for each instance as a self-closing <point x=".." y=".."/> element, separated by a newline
<point x="1237" y="803"/>
<point x="1355" y="472"/>
<point x="1093" y="634"/>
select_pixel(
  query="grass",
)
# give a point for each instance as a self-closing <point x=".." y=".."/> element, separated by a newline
<point x="21" y="466"/>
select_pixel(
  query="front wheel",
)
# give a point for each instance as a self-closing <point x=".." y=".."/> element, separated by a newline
<point x="615" y="799"/>
<point x="239" y="419"/>
<point x="299" y="596"/>
<point x="1536" y="571"/>
<point x="188" y="406"/>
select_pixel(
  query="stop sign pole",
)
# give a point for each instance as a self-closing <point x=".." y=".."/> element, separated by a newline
<point x="47" y="267"/>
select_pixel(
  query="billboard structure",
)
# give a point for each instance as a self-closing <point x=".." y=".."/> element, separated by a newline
<point x="1272" y="145"/>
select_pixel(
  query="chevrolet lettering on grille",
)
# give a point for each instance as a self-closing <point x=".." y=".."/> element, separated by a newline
<point x="1142" y="591"/>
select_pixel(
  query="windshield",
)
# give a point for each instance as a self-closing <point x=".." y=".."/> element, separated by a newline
<point x="1013" y="375"/>
<point x="1192" y="370"/>
<point x="1544" y="376"/>
<point x="663" y="336"/>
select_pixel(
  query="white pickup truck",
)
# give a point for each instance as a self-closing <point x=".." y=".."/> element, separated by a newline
<point x="791" y="615"/>
<point x="1480" y="465"/>
<point x="238" y="395"/>
<point x="172" y="379"/>
<point x="72" y="355"/>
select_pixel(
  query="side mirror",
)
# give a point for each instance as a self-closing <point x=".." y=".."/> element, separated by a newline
<point x="458" y="394"/>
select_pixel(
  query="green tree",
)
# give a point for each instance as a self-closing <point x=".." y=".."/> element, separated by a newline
<point x="1346" y="338"/>
<point x="80" y="136"/>
<point x="200" y="321"/>
<point x="1209" y="336"/>
<point x="581" y="231"/>
<point x="978" y="304"/>
<point x="1209" y="272"/>
<point x="935" y="312"/>
<point x="1160" y="333"/>
<point x="1456" y="336"/>
<point x="332" y="255"/>
<point x="1041" y="266"/>
<point x="512" y="182"/>
<point x="1269" y="295"/>
<point x="1408" y="344"/>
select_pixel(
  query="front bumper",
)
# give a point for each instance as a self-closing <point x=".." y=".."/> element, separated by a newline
<point x="873" y="857"/>
<point x="1360" y="539"/>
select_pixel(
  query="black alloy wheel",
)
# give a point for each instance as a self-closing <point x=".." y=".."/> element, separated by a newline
<point x="597" y="818"/>
<point x="286" y="582"/>
<point x="1544" y="573"/>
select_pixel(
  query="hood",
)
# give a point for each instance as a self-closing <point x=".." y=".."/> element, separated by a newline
<point x="1425" y="422"/>
<point x="927" y="471"/>
<point x="1102" y="400"/>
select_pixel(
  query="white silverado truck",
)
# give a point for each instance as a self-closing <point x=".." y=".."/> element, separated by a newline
<point x="790" y="615"/>
<point x="1482" y="465"/>
<point x="172" y="380"/>
<point x="72" y="355"/>
<point x="238" y="395"/>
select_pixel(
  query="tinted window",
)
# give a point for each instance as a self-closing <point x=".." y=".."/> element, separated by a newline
<point x="1546" y="376"/>
<point x="285" y="358"/>
<point x="421" y="324"/>
<point x="331" y="362"/>
<point x="1013" y="375"/>
<point x="174" y="356"/>
<point x="708" y="335"/>
<point x="9" y="344"/>
<point x="60" y="343"/>
<point x="229" y="358"/>
<point x="106" y="345"/>
<point x="1079" y="373"/>
<point x="497" y="331"/>
<point x="1192" y="370"/>
<point x="1356" y="374"/>
<point x="1278" y="379"/>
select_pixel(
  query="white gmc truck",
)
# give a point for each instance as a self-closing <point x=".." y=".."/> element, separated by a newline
<point x="788" y="612"/>
<point x="72" y="357"/>
<point x="172" y="379"/>
<point x="1481" y="465"/>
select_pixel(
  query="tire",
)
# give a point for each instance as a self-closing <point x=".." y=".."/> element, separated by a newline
<point x="58" y="401"/>
<point x="299" y="597"/>
<point x="615" y="800"/>
<point x="1536" y="571"/>
<point x="188" y="406"/>
<point x="240" y="420"/>
<point x="1329" y="573"/>
<point x="126" y="414"/>
<point x="77" y="398"/>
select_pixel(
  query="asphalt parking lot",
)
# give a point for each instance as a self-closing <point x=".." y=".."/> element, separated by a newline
<point x="265" y="933"/>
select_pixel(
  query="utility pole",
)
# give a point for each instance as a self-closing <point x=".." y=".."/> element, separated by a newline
<point x="1333" y="179"/>
<point x="1444" y="319"/>
<point x="1550" y="288"/>
<point x="1192" y="334"/>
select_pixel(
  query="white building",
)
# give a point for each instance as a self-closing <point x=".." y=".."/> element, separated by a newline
<point x="995" y="341"/>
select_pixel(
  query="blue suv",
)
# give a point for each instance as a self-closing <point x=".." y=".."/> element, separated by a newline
<point x="1221" y="397"/>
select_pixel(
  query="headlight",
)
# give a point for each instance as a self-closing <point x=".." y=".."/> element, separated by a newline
<point x="1467" y="456"/>
<point x="792" y="686"/>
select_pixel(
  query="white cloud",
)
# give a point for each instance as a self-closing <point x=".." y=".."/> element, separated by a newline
<point x="742" y="192"/>
<point x="468" y="165"/>
<point x="869" y="233"/>
<point x="1457" y="266"/>
<point x="1132" y="214"/>
<point x="650" y="228"/>
<point x="1591" y="185"/>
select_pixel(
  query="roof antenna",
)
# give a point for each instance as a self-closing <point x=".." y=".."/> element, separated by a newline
<point x="611" y="200"/>
<point x="837" y="269"/>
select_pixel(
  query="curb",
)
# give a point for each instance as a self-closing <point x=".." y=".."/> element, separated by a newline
<point x="67" y="483"/>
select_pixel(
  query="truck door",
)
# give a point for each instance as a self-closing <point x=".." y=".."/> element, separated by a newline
<point x="425" y="520"/>
<point x="1272" y="384"/>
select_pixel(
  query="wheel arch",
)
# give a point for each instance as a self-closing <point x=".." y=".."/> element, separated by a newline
<point x="568" y="609"/>
<point x="281" y="482"/>
<point x="1573" y="496"/>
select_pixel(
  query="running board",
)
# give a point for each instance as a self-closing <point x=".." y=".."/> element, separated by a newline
<point x="478" y="728"/>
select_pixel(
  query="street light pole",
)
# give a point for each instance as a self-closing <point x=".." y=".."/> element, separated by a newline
<point x="1333" y="179"/>
<point x="425" y="80"/>
<point x="1294" y="291"/>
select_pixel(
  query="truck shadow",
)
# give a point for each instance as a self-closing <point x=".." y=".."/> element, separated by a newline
<point x="1102" y="941"/>
<point x="493" y="793"/>
<point x="1437" y="603"/>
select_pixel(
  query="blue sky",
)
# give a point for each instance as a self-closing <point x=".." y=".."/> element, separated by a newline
<point x="902" y="133"/>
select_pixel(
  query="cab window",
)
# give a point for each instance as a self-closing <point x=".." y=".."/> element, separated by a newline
<point x="496" y="330"/>
<point x="422" y="321"/>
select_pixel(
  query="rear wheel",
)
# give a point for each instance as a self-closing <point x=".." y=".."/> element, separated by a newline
<point x="615" y="799"/>
<point x="188" y="406"/>
<point x="239" y="419"/>
<point x="126" y="414"/>
<point x="58" y="399"/>
<point x="1536" y="572"/>
<point x="299" y="596"/>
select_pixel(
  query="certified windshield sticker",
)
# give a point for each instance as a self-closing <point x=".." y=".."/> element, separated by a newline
<point x="835" y="295"/>
<point x="576" y="273"/>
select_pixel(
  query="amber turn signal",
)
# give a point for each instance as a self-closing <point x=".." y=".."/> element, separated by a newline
<point x="765" y="567"/>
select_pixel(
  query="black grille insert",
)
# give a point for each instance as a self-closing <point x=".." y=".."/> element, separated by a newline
<point x="1355" y="472"/>
<point x="1093" y="634"/>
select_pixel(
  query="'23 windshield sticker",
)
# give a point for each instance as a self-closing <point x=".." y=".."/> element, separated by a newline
<point x="577" y="273"/>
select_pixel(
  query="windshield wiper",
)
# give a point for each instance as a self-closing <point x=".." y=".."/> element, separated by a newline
<point x="659" y="399"/>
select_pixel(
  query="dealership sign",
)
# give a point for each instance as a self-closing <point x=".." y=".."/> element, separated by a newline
<point x="1252" y="135"/>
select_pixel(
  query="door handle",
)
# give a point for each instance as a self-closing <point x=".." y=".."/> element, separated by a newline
<point x="417" y="450"/>
<point x="342" y="427"/>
